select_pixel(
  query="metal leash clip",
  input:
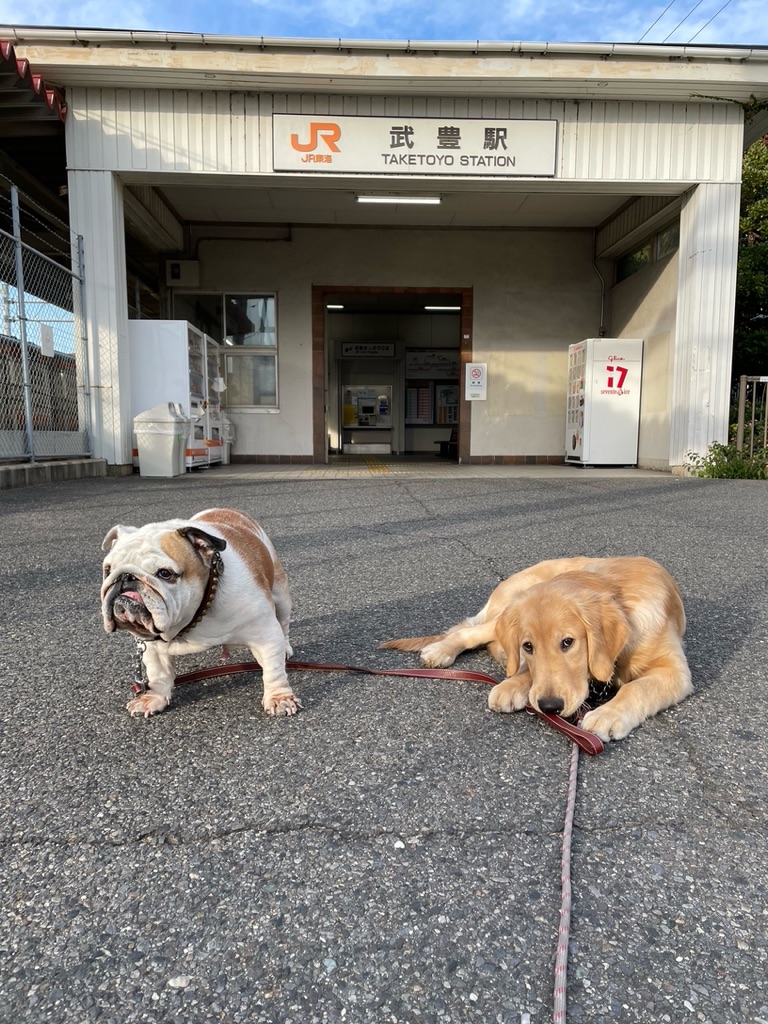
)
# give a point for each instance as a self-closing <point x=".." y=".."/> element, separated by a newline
<point x="139" y="684"/>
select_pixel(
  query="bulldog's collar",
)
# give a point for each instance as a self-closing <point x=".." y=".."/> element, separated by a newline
<point x="214" y="574"/>
<point x="139" y="684"/>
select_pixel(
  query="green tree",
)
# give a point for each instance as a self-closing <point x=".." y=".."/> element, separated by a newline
<point x="750" y="344"/>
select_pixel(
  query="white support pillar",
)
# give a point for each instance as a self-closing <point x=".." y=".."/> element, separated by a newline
<point x="96" y="213"/>
<point x="709" y="230"/>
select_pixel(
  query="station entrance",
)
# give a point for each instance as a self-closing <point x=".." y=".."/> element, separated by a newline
<point x="393" y="363"/>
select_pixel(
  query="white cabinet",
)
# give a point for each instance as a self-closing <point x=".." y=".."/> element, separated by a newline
<point x="172" y="361"/>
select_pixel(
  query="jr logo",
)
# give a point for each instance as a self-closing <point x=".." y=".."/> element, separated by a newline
<point x="329" y="132"/>
<point x="620" y="371"/>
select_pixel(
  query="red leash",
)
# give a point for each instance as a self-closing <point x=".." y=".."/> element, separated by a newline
<point x="586" y="741"/>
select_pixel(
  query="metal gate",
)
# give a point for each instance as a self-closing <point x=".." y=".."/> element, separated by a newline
<point x="752" y="422"/>
<point x="44" y="392"/>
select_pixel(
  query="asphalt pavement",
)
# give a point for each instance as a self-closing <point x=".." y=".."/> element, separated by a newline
<point x="392" y="853"/>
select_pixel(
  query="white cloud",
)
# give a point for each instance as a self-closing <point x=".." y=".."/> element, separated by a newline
<point x="742" y="22"/>
<point x="134" y="14"/>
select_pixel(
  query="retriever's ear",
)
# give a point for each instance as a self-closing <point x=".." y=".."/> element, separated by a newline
<point x="508" y="636"/>
<point x="607" y="635"/>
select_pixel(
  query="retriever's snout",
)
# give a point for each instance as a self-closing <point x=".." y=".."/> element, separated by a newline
<point x="551" y="705"/>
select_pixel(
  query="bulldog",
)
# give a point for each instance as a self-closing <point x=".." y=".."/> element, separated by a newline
<point x="185" y="585"/>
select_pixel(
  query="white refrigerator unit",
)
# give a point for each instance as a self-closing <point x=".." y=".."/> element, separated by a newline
<point x="172" y="361"/>
<point x="603" y="407"/>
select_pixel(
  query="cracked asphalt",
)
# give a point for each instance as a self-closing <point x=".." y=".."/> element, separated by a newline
<point x="392" y="853"/>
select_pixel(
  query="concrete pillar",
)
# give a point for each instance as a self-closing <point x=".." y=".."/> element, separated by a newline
<point x="96" y="213"/>
<point x="709" y="228"/>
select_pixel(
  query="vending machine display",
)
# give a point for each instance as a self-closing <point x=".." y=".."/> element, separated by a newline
<point x="172" y="361"/>
<point x="603" y="403"/>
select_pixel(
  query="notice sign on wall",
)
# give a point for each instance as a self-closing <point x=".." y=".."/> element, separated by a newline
<point x="476" y="382"/>
<point x="414" y="145"/>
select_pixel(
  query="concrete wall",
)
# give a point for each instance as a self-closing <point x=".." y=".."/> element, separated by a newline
<point x="643" y="306"/>
<point x="534" y="293"/>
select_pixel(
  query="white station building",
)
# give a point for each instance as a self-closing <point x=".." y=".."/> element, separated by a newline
<point x="395" y="243"/>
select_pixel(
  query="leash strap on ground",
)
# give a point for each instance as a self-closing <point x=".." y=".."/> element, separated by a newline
<point x="581" y="740"/>
<point x="587" y="741"/>
<point x="564" y="931"/>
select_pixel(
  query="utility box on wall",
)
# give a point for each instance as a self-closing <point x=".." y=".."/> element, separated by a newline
<point x="182" y="273"/>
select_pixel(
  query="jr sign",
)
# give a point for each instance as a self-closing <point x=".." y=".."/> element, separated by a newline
<point x="414" y="145"/>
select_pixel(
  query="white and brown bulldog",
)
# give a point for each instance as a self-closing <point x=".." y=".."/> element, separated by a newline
<point x="185" y="585"/>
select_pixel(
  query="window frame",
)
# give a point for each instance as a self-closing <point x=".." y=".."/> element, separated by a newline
<point x="228" y="349"/>
<point x="623" y="269"/>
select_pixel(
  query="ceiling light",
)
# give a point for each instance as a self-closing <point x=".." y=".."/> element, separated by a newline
<point x="333" y="306"/>
<point x="425" y="200"/>
<point x="444" y="309"/>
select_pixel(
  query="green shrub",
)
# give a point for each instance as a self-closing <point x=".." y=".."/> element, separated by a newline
<point x="724" y="462"/>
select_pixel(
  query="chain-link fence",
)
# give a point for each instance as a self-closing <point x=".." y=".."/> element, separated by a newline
<point x="44" y="394"/>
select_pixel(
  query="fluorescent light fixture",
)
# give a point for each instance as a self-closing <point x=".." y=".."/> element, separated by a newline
<point x="332" y="305"/>
<point x="415" y="200"/>
<point x="443" y="309"/>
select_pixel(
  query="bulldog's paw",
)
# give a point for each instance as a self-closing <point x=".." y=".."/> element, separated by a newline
<point x="281" y="703"/>
<point x="508" y="695"/>
<point x="609" y="723"/>
<point x="147" y="704"/>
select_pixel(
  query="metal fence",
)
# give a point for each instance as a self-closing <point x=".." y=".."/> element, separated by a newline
<point x="752" y="422"/>
<point x="44" y="392"/>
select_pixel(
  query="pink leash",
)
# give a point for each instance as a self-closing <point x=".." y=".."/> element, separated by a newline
<point x="581" y="740"/>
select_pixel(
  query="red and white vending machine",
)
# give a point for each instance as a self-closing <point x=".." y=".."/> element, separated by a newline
<point x="603" y="411"/>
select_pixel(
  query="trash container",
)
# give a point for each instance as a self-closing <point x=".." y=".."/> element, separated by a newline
<point x="161" y="435"/>
<point x="227" y="437"/>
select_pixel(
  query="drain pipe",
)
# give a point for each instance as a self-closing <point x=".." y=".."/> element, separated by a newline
<point x="601" y="330"/>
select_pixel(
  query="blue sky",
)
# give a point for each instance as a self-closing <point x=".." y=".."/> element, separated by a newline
<point x="743" y="22"/>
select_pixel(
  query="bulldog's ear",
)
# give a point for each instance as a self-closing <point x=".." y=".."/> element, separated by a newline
<point x="115" y="534"/>
<point x="204" y="543"/>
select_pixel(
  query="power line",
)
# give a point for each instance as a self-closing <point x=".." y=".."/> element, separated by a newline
<point x="642" y="37"/>
<point x="683" y="21"/>
<point x="727" y="2"/>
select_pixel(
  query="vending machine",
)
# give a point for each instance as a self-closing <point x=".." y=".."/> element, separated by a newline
<point x="172" y="361"/>
<point x="603" y="406"/>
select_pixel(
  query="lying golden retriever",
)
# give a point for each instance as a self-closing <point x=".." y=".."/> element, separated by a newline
<point x="567" y="621"/>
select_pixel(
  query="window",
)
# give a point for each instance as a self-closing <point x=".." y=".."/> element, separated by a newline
<point x="656" y="248"/>
<point x="629" y="264"/>
<point x="247" y="326"/>
<point x="667" y="241"/>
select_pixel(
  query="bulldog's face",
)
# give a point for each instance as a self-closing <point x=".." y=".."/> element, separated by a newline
<point x="155" y="577"/>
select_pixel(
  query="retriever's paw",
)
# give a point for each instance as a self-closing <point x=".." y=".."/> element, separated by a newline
<point x="435" y="656"/>
<point x="609" y="723"/>
<point x="285" y="703"/>
<point x="147" y="704"/>
<point x="508" y="695"/>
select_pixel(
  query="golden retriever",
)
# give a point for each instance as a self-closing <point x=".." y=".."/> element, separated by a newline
<point x="564" y="622"/>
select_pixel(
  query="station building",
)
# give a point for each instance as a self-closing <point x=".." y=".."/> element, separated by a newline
<point x="360" y="224"/>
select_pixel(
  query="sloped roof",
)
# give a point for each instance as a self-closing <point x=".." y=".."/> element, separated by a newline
<point x="25" y="98"/>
